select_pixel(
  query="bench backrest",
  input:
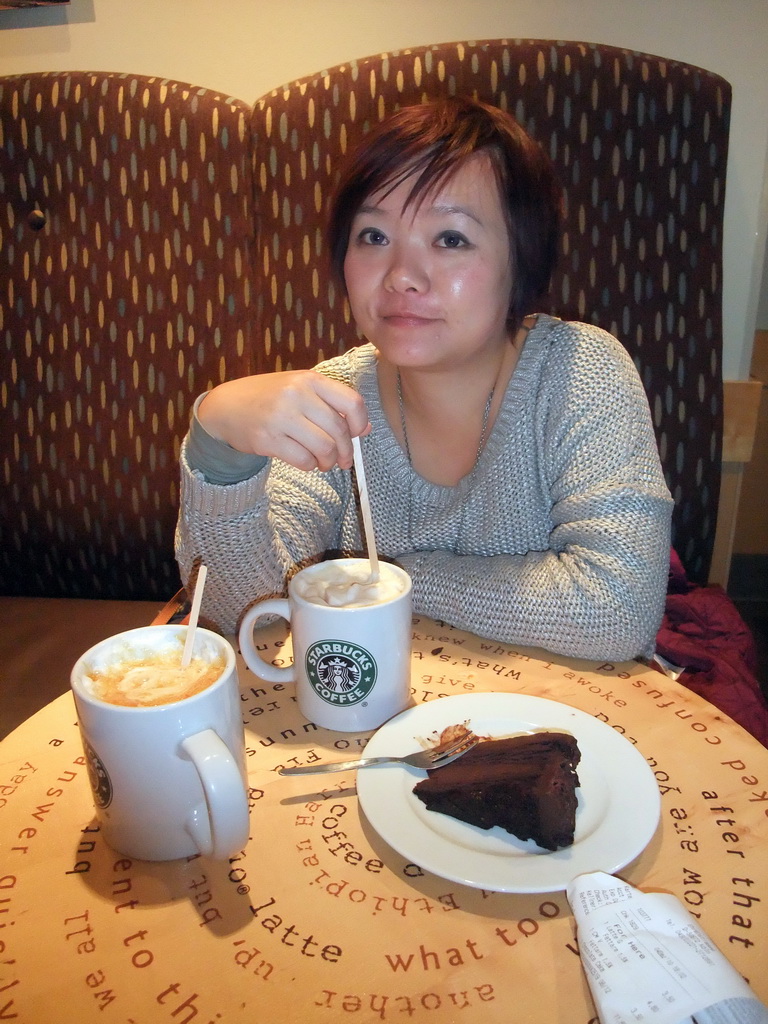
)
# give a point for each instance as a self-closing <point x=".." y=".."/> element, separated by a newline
<point x="126" y="229"/>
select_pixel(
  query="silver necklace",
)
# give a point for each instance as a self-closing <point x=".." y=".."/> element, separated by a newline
<point x="486" y="414"/>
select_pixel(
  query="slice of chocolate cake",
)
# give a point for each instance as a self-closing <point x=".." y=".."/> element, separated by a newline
<point x="524" y="784"/>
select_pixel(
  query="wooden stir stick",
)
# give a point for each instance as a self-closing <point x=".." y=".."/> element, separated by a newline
<point x="365" y="508"/>
<point x="194" y="614"/>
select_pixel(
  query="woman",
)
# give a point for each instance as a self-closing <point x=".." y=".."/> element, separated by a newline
<point x="510" y="459"/>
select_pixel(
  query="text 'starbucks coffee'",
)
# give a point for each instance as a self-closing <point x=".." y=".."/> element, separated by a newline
<point x="340" y="673"/>
<point x="351" y="643"/>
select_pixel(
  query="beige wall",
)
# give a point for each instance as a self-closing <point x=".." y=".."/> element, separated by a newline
<point x="751" y="530"/>
<point x="247" y="47"/>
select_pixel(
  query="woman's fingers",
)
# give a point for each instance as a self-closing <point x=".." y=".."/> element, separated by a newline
<point x="318" y="415"/>
<point x="340" y="416"/>
<point x="343" y="399"/>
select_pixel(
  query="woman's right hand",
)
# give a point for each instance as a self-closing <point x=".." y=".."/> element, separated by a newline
<point x="299" y="416"/>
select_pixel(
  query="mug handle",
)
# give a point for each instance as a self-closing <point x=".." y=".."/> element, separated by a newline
<point x="224" y="829"/>
<point x="264" y="669"/>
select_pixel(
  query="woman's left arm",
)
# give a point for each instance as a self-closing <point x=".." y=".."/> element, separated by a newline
<point x="597" y="588"/>
<point x="600" y="597"/>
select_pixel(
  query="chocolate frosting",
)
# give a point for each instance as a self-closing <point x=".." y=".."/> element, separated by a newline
<point x="524" y="784"/>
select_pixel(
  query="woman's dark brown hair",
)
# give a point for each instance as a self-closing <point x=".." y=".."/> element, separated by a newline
<point x="429" y="142"/>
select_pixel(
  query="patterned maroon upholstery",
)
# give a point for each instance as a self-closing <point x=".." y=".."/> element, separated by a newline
<point x="132" y="277"/>
<point x="641" y="146"/>
<point x="125" y="254"/>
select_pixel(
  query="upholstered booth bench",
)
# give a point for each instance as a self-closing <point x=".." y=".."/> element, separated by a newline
<point x="157" y="237"/>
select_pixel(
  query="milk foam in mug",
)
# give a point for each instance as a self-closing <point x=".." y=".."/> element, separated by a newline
<point x="143" y="682"/>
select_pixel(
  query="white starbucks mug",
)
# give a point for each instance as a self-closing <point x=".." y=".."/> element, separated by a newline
<point x="351" y="665"/>
<point x="168" y="780"/>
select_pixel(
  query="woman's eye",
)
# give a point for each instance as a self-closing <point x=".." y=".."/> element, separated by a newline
<point x="452" y="240"/>
<point x="372" y="236"/>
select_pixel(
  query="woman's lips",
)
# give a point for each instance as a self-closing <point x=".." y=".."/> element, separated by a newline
<point x="408" y="319"/>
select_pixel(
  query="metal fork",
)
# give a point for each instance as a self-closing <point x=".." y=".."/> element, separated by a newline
<point x="426" y="759"/>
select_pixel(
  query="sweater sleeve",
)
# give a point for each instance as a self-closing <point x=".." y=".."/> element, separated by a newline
<point x="254" y="521"/>
<point x="217" y="461"/>
<point x="252" y="534"/>
<point x="596" y="590"/>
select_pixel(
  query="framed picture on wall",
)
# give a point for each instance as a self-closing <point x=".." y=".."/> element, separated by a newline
<point x="14" y="5"/>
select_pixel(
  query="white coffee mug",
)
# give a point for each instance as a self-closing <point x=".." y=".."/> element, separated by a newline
<point x="168" y="780"/>
<point x="351" y="665"/>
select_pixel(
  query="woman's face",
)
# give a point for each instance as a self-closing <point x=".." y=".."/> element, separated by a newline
<point x="430" y="285"/>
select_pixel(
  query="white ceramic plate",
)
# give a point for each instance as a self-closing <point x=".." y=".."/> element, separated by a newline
<point x="618" y="810"/>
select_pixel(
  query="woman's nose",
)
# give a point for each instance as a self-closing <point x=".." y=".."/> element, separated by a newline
<point x="406" y="272"/>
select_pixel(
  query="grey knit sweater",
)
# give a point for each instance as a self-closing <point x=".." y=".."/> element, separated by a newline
<point x="559" y="538"/>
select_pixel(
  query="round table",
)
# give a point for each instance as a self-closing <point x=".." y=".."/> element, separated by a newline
<point x="317" y="919"/>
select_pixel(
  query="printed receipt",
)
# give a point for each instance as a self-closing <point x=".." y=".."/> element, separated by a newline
<point x="646" y="959"/>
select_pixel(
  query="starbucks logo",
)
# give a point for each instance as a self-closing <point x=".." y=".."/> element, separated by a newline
<point x="98" y="776"/>
<point x="340" y="673"/>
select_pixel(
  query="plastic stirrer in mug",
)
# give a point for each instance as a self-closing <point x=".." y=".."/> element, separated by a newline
<point x="189" y="643"/>
<point x="365" y="508"/>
